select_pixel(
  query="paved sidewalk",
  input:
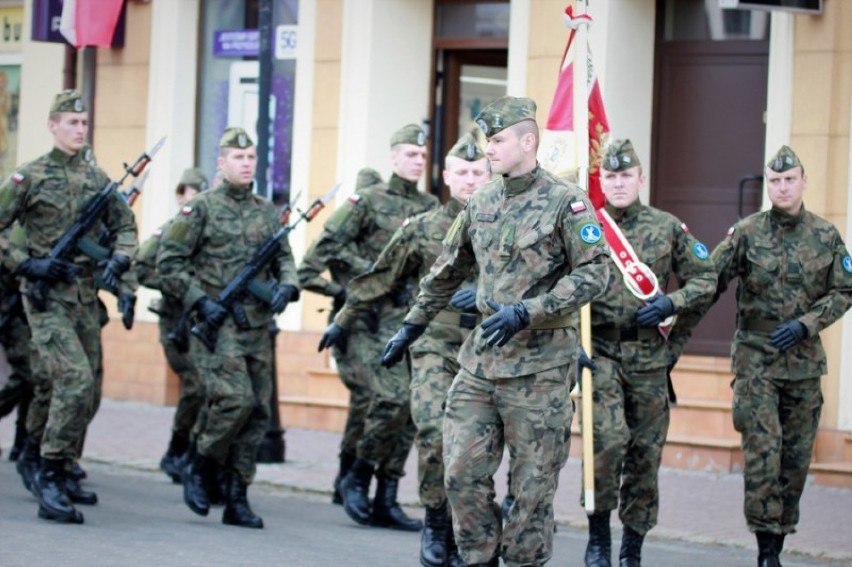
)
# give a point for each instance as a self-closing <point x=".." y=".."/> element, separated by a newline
<point x="696" y="507"/>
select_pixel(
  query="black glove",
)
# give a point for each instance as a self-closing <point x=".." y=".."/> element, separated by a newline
<point x="339" y="300"/>
<point x="400" y="295"/>
<point x="210" y="311"/>
<point x="788" y="334"/>
<point x="505" y="323"/>
<point x="281" y="296"/>
<point x="465" y="299"/>
<point x="334" y="335"/>
<point x="127" y="306"/>
<point x="114" y="269"/>
<point x="584" y="361"/>
<point x="49" y="269"/>
<point x="657" y="310"/>
<point x="398" y="345"/>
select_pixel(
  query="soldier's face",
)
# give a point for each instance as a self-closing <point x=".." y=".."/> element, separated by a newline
<point x="465" y="177"/>
<point x="69" y="131"/>
<point x="786" y="189"/>
<point x="507" y="149"/>
<point x="408" y="161"/>
<point x="621" y="188"/>
<point x="238" y="165"/>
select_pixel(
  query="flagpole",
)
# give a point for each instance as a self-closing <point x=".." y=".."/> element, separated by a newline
<point x="581" y="131"/>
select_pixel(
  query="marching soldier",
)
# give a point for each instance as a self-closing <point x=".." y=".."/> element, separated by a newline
<point x="170" y="311"/>
<point x="539" y="254"/>
<point x="353" y="238"/>
<point x="349" y="368"/>
<point x="213" y="237"/>
<point x="46" y="196"/>
<point x="410" y="253"/>
<point x="630" y="325"/>
<point x="795" y="280"/>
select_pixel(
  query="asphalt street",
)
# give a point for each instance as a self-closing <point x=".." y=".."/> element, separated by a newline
<point x="141" y="521"/>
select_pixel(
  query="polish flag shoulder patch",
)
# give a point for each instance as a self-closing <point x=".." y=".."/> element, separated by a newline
<point x="158" y="233"/>
<point x="578" y="207"/>
<point x="17" y="178"/>
<point x="354" y="198"/>
<point x="684" y="228"/>
<point x="730" y="231"/>
<point x="186" y="211"/>
<point x="406" y="222"/>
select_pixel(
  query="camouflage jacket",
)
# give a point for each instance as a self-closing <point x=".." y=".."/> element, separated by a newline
<point x="311" y="278"/>
<point x="664" y="243"/>
<point x="790" y="267"/>
<point x="212" y="238"/>
<point x="145" y="267"/>
<point x="535" y="240"/>
<point x="46" y="196"/>
<point x="357" y="232"/>
<point x="409" y="255"/>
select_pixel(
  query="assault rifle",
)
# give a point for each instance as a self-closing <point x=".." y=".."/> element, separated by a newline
<point x="67" y="246"/>
<point x="231" y="295"/>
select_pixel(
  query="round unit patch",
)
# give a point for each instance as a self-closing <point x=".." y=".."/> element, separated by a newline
<point x="847" y="264"/>
<point x="700" y="251"/>
<point x="590" y="233"/>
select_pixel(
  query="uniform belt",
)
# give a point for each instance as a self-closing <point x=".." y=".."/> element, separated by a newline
<point x="463" y="320"/>
<point x="760" y="325"/>
<point x="625" y="333"/>
<point x="568" y="320"/>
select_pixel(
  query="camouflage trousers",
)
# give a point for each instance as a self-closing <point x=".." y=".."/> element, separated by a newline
<point x="353" y="367"/>
<point x="532" y="416"/>
<point x="631" y="420"/>
<point x="18" y="390"/>
<point x="388" y="430"/>
<point x="238" y="385"/>
<point x="778" y="420"/>
<point x="191" y="398"/>
<point x="432" y="375"/>
<point x="67" y="374"/>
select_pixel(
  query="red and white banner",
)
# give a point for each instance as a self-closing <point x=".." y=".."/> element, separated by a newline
<point x="558" y="148"/>
<point x="89" y="22"/>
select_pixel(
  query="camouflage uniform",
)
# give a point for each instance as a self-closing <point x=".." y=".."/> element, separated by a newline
<point x="349" y="366"/>
<point x="203" y="249"/>
<point x="352" y="239"/>
<point x="790" y="268"/>
<point x="528" y="247"/>
<point x="630" y="399"/>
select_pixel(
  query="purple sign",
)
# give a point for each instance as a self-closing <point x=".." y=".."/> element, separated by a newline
<point x="236" y="43"/>
<point x="46" y="16"/>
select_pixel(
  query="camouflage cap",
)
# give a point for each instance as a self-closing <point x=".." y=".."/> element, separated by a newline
<point x="505" y="112"/>
<point x="69" y="100"/>
<point x="234" y="137"/>
<point x="784" y="159"/>
<point x="619" y="155"/>
<point x="367" y="176"/>
<point x="194" y="177"/>
<point x="467" y="149"/>
<point x="409" y="134"/>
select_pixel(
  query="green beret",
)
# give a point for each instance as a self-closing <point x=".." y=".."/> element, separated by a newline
<point x="409" y="134"/>
<point x="619" y="155"/>
<point x="234" y="137"/>
<point x="194" y="177"/>
<point x="784" y="159"/>
<point x="367" y="176"/>
<point x="505" y="112"/>
<point x="467" y="149"/>
<point x="69" y="100"/>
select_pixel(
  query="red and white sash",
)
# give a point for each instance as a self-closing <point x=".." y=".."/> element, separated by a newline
<point x="638" y="277"/>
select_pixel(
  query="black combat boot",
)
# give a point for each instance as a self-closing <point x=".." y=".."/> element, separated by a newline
<point x="20" y="438"/>
<point x="346" y="462"/>
<point x="386" y="510"/>
<point x="599" y="548"/>
<point x="433" y="541"/>
<point x="28" y="464"/>
<point x="767" y="552"/>
<point x="171" y="461"/>
<point x="77" y="494"/>
<point x="53" y="502"/>
<point x="355" y="490"/>
<point x="454" y="558"/>
<point x="779" y="545"/>
<point x="217" y="490"/>
<point x="237" y="511"/>
<point x="76" y="472"/>
<point x="196" y="479"/>
<point x="631" y="548"/>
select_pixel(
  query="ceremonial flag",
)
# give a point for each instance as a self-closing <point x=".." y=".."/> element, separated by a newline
<point x="89" y="22"/>
<point x="558" y="145"/>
